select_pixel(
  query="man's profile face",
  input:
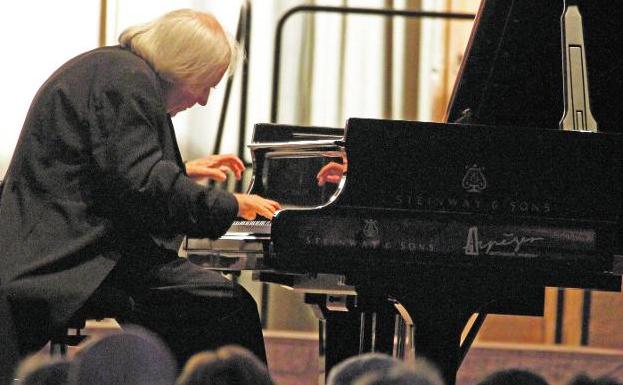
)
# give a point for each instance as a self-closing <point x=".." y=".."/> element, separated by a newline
<point x="180" y="96"/>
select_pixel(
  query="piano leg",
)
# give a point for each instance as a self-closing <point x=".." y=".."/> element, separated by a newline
<point x="437" y="337"/>
<point x="351" y="329"/>
<point x="350" y="326"/>
<point x="438" y="313"/>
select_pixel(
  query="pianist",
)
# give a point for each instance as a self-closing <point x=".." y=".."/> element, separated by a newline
<point x="96" y="195"/>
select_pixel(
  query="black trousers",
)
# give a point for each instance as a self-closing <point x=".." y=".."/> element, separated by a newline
<point x="9" y="352"/>
<point x="192" y="309"/>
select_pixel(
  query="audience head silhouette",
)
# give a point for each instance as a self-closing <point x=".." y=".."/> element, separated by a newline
<point x="131" y="357"/>
<point x="229" y="365"/>
<point x="351" y="368"/>
<point x="583" y="379"/>
<point x="42" y="370"/>
<point x="396" y="376"/>
<point x="514" y="377"/>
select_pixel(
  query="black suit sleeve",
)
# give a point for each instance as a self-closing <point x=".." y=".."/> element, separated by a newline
<point x="132" y="144"/>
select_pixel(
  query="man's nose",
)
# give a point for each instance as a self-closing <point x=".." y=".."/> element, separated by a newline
<point x="203" y="100"/>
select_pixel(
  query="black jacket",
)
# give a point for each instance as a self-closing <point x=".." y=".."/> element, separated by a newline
<point x="97" y="177"/>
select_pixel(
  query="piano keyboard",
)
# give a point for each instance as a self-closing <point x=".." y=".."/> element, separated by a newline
<point x="241" y="248"/>
<point x="251" y="227"/>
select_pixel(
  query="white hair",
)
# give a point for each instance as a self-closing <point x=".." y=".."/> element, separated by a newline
<point x="183" y="46"/>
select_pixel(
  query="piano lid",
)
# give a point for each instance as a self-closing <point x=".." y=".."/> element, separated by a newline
<point x="502" y="171"/>
<point x="512" y="71"/>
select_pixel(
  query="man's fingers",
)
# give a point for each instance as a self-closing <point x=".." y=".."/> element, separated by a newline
<point x="267" y="207"/>
<point x="266" y="213"/>
<point x="232" y="160"/>
<point x="237" y="172"/>
<point x="249" y="216"/>
<point x="216" y="174"/>
<point x="252" y="205"/>
<point x="276" y="205"/>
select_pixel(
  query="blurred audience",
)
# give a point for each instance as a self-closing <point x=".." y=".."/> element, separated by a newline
<point x="381" y="369"/>
<point x="229" y="365"/>
<point x="583" y="379"/>
<point x="135" y="356"/>
<point x="427" y="370"/>
<point x="42" y="370"/>
<point x="395" y="376"/>
<point x="514" y="376"/>
<point x="130" y="357"/>
<point x="347" y="371"/>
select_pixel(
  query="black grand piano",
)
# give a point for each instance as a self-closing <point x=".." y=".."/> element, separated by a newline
<point x="443" y="220"/>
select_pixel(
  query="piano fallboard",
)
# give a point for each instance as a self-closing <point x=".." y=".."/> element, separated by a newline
<point x="348" y="240"/>
<point x="363" y="242"/>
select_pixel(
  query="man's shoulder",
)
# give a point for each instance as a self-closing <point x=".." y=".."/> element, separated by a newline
<point x="113" y="67"/>
<point x="114" y="56"/>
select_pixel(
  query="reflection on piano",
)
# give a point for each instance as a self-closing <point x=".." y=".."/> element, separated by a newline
<point x="285" y="162"/>
<point x="446" y="220"/>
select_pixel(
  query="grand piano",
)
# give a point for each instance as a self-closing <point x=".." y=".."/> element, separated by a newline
<point x="519" y="191"/>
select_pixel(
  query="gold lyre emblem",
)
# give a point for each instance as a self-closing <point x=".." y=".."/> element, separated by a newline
<point x="474" y="179"/>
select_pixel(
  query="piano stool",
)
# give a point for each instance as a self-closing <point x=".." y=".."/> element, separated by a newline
<point x="105" y="303"/>
<point x="78" y="331"/>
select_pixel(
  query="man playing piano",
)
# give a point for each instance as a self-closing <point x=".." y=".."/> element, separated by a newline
<point x="97" y="196"/>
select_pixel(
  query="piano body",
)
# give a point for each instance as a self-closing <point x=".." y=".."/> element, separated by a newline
<point x="444" y="220"/>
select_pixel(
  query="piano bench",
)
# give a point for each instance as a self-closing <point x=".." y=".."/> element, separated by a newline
<point x="104" y="303"/>
<point x="63" y="338"/>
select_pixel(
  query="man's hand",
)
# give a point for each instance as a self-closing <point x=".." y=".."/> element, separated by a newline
<point x="215" y="167"/>
<point x="331" y="172"/>
<point x="251" y="205"/>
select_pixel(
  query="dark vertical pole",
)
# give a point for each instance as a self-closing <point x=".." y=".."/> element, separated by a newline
<point x="586" y="317"/>
<point x="388" y="58"/>
<point x="264" y="304"/>
<point x="244" y="86"/>
<point x="560" y="304"/>
<point x="341" y="10"/>
<point x="103" y="22"/>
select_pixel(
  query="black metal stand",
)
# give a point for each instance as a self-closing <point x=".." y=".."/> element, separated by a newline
<point x="340" y="10"/>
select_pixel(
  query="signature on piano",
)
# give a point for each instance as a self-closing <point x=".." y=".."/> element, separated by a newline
<point x="509" y="245"/>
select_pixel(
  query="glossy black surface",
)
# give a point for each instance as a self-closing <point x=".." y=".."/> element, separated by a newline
<point x="512" y="70"/>
<point x="290" y="178"/>
<point x="457" y="194"/>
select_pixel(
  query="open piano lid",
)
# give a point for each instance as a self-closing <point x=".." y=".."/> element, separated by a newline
<point x="511" y="74"/>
